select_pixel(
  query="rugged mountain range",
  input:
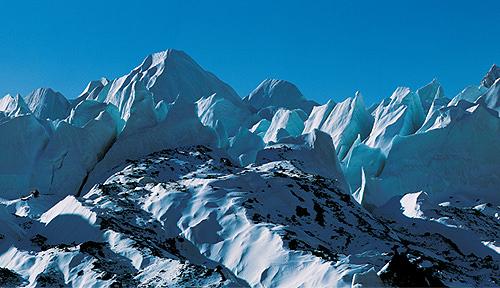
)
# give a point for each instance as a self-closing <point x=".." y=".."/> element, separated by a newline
<point x="165" y="177"/>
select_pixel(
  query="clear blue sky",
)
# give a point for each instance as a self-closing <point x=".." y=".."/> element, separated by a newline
<point x="329" y="49"/>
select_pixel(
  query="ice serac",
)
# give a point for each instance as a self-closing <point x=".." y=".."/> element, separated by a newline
<point x="314" y="152"/>
<point x="46" y="103"/>
<point x="14" y="106"/>
<point x="180" y="127"/>
<point x="92" y="91"/>
<point x="261" y="127"/>
<point x="278" y="93"/>
<point x="243" y="147"/>
<point x="455" y="156"/>
<point x="222" y="137"/>
<point x="469" y="93"/>
<point x="169" y="75"/>
<point x="402" y="114"/>
<point x="25" y="139"/>
<point x="139" y="110"/>
<point x="318" y="116"/>
<point x="288" y="120"/>
<point x="492" y="76"/>
<point x="429" y="92"/>
<point x="71" y="153"/>
<point x="53" y="157"/>
<point x="215" y="108"/>
<point x="492" y="96"/>
<point x="346" y="121"/>
<point x="362" y="161"/>
<point x="434" y="113"/>
<point x="88" y="110"/>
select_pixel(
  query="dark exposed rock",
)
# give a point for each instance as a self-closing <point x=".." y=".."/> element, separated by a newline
<point x="400" y="272"/>
<point x="490" y="77"/>
<point x="9" y="278"/>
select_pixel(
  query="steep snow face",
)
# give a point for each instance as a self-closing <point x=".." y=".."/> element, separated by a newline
<point x="25" y="138"/>
<point x="314" y="153"/>
<point x="473" y="94"/>
<point x="346" y="121"/>
<point x="362" y="159"/>
<point x="92" y="90"/>
<point x="180" y="127"/>
<point x="470" y="94"/>
<point x="234" y="114"/>
<point x="14" y="106"/>
<point x="318" y="116"/>
<point x="278" y="93"/>
<point x="243" y="147"/>
<point x="429" y="93"/>
<point x="88" y="110"/>
<point x="492" y="96"/>
<point x="168" y="75"/>
<point x="402" y="114"/>
<point x="490" y="77"/>
<point x="284" y="123"/>
<point x="7" y="103"/>
<point x="54" y="159"/>
<point x="434" y="113"/>
<point x="46" y="103"/>
<point x="70" y="154"/>
<point x="453" y="157"/>
<point x="261" y="127"/>
<point x="139" y="110"/>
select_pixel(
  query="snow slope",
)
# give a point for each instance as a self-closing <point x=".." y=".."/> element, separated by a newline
<point x="188" y="217"/>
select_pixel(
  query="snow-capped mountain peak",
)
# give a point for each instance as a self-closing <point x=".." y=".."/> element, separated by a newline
<point x="490" y="77"/>
<point x="278" y="93"/>
<point x="47" y="103"/>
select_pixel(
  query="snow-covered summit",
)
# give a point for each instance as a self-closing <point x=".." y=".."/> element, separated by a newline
<point x="46" y="103"/>
<point x="169" y="75"/>
<point x="490" y="77"/>
<point x="14" y="105"/>
<point x="92" y="90"/>
<point x="278" y="93"/>
<point x="345" y="122"/>
<point x="429" y="93"/>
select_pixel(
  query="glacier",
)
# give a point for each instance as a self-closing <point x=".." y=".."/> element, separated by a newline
<point x="165" y="177"/>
